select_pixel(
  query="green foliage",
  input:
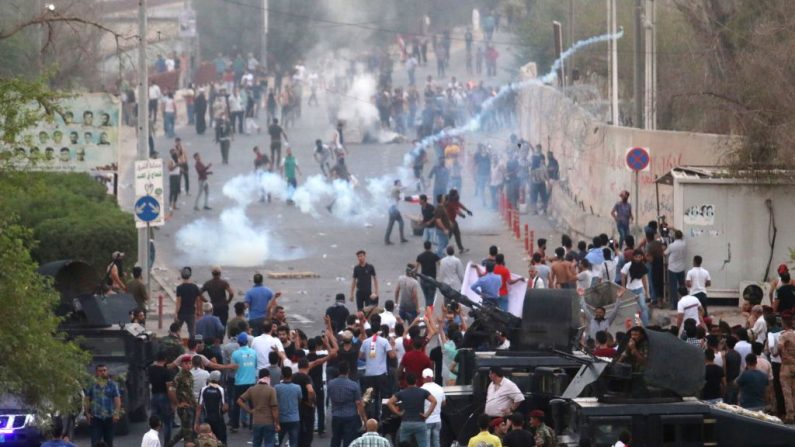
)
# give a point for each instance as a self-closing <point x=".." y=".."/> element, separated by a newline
<point x="38" y="363"/>
<point x="71" y="216"/>
<point x="23" y="104"/>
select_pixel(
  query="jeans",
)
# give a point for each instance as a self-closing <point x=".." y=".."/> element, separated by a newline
<point x="186" y="177"/>
<point x="168" y="123"/>
<point x="441" y="242"/>
<point x="173" y="190"/>
<point x="204" y="189"/>
<point x="190" y="109"/>
<point x="234" y="416"/>
<point x="702" y="298"/>
<point x="237" y="117"/>
<point x="495" y="189"/>
<point x="225" y="151"/>
<point x="623" y="232"/>
<point x="538" y="197"/>
<point x="153" y="110"/>
<point x="161" y="407"/>
<point x="480" y="187"/>
<point x="394" y="216"/>
<point x="644" y="308"/>
<point x="263" y="434"/>
<point x="290" y="430"/>
<point x="416" y="430"/>
<point x="652" y="290"/>
<point x="675" y="280"/>
<point x="429" y="290"/>
<point x="503" y="302"/>
<point x="344" y="429"/>
<point x="434" y="430"/>
<point x="456" y="232"/>
<point x="102" y="429"/>
<point x="428" y="234"/>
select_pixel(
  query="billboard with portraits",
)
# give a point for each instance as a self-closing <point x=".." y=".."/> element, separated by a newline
<point x="83" y="138"/>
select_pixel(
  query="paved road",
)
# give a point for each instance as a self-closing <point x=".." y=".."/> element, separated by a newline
<point x="324" y="245"/>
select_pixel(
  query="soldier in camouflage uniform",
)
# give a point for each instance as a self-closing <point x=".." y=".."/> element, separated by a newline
<point x="171" y="344"/>
<point x="544" y="436"/>
<point x="186" y="403"/>
<point x="206" y="437"/>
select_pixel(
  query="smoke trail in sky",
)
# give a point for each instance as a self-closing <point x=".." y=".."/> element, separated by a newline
<point x="474" y="124"/>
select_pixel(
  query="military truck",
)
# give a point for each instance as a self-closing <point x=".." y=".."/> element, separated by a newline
<point x="100" y="324"/>
<point x="589" y="399"/>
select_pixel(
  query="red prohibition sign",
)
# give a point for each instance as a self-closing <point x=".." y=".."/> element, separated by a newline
<point x="638" y="158"/>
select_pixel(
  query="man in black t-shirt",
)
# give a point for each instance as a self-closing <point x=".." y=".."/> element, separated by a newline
<point x="276" y="132"/>
<point x="426" y="264"/>
<point x="364" y="286"/>
<point x="159" y="377"/>
<point x="428" y="220"/>
<point x="220" y="293"/>
<point x="713" y="378"/>
<point x="412" y="410"/>
<point x="517" y="436"/>
<point x="306" y="409"/>
<point x="338" y="313"/>
<point x="212" y="404"/>
<point x="188" y="300"/>
<point x="316" y="374"/>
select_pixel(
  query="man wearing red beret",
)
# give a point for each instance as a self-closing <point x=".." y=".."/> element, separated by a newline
<point x="545" y="436"/>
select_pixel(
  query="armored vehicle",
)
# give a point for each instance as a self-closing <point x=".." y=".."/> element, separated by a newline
<point x="100" y="324"/>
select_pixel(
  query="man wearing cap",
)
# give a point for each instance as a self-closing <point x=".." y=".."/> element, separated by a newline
<point x="544" y="436"/>
<point x="786" y="348"/>
<point x="213" y="405"/>
<point x="209" y="326"/>
<point x="220" y="293"/>
<point x="502" y="396"/>
<point x="338" y="313"/>
<point x="484" y="438"/>
<point x="186" y="403"/>
<point x="244" y="363"/>
<point x="433" y="422"/>
<point x="258" y="300"/>
<point x="498" y="427"/>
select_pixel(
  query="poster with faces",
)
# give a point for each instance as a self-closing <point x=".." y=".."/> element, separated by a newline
<point x="83" y="137"/>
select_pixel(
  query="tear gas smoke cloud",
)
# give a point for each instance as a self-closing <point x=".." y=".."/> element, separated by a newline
<point x="235" y="240"/>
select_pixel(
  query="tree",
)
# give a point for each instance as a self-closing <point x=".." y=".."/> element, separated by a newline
<point x="39" y="364"/>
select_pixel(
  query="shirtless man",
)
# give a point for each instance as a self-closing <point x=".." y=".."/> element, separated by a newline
<point x="563" y="275"/>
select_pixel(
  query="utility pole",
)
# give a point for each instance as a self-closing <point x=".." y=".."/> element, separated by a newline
<point x="557" y="40"/>
<point x="637" y="81"/>
<point x="571" y="40"/>
<point x="612" y="63"/>
<point x="143" y="128"/>
<point x="650" y="31"/>
<point x="264" y="53"/>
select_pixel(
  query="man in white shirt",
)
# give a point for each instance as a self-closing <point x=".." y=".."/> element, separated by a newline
<point x="502" y="396"/>
<point x="451" y="270"/>
<point x="154" y="100"/>
<point x="688" y="307"/>
<point x="759" y="326"/>
<point x="743" y="347"/>
<point x="677" y="264"/>
<point x="388" y="316"/>
<point x="263" y="345"/>
<point x="697" y="281"/>
<point x="375" y="350"/>
<point x="151" y="438"/>
<point x="434" y="421"/>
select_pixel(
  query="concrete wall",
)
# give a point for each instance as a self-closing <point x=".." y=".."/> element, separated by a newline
<point x="591" y="156"/>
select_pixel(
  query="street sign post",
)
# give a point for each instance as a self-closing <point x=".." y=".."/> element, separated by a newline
<point x="637" y="159"/>
<point x="149" y="200"/>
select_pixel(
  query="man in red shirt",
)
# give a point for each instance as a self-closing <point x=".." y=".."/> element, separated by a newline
<point x="503" y="272"/>
<point x="602" y="348"/>
<point x="414" y="361"/>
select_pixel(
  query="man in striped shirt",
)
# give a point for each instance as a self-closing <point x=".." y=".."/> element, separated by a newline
<point x="371" y="438"/>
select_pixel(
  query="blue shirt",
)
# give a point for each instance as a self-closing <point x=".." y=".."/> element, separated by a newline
<point x="343" y="394"/>
<point x="102" y="395"/>
<point x="210" y="326"/>
<point x="257" y="299"/>
<point x="246" y="359"/>
<point x="488" y="286"/>
<point x="375" y="355"/>
<point x="289" y="396"/>
<point x="595" y="256"/>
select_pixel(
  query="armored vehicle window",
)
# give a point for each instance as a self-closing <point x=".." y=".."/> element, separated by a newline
<point x="605" y="430"/>
<point x="104" y="346"/>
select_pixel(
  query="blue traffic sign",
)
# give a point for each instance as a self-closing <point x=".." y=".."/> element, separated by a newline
<point x="638" y="158"/>
<point x="147" y="208"/>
